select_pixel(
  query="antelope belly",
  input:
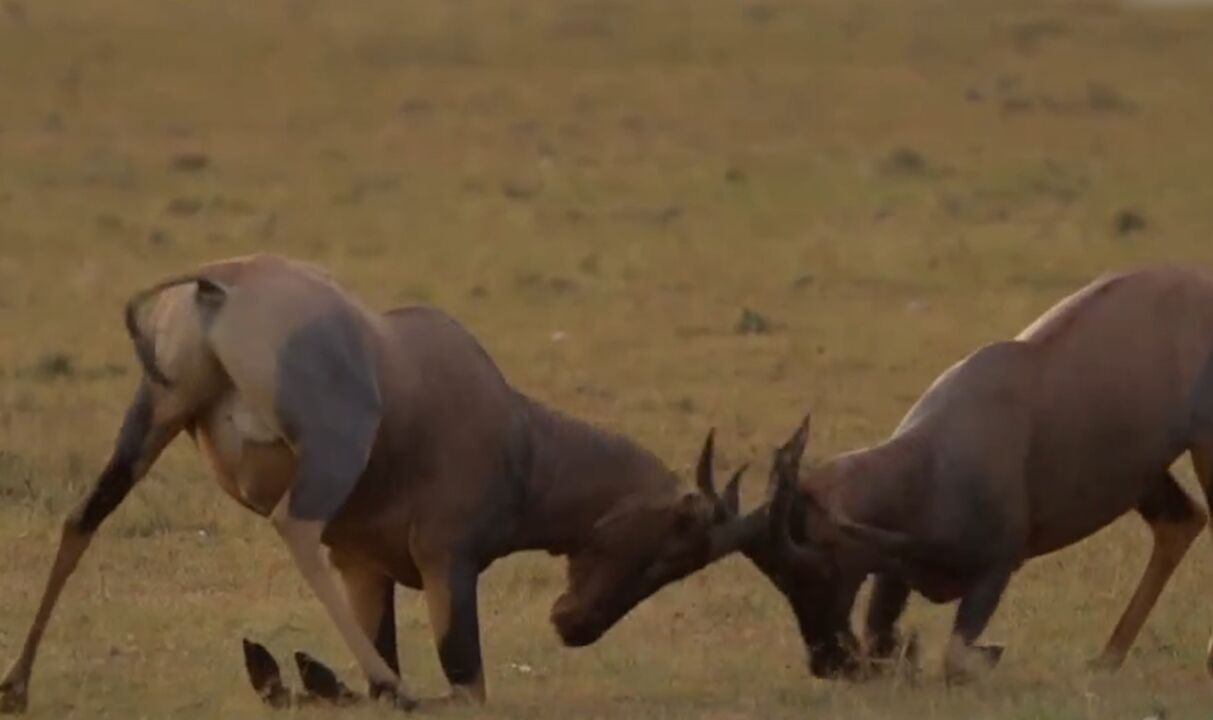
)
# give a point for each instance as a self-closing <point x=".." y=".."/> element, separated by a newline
<point x="251" y="461"/>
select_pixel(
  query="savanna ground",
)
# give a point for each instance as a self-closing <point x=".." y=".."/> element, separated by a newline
<point x="600" y="189"/>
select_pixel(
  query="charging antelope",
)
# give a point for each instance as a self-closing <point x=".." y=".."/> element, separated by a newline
<point x="393" y="440"/>
<point x="1019" y="450"/>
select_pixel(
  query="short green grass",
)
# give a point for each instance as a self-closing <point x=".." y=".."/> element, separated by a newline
<point x="600" y="189"/>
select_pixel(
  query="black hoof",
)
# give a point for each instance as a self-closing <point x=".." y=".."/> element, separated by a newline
<point x="265" y="676"/>
<point x="321" y="682"/>
<point x="1105" y="664"/>
<point x="13" y="699"/>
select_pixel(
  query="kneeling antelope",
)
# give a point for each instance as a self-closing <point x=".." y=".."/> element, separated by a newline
<point x="393" y="441"/>
<point x="1022" y="448"/>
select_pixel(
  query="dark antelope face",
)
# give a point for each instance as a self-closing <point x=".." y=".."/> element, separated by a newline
<point x="818" y="562"/>
<point x="643" y="545"/>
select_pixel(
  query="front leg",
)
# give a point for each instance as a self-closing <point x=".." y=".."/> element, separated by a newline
<point x="884" y="645"/>
<point x="889" y="597"/>
<point x="963" y="659"/>
<point x="450" y="595"/>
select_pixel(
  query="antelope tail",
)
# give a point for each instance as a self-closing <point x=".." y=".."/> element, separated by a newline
<point x="145" y="348"/>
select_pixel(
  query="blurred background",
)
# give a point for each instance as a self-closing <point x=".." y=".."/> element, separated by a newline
<point x="660" y="215"/>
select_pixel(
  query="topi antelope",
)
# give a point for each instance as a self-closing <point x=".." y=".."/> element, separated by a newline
<point x="1022" y="448"/>
<point x="393" y="441"/>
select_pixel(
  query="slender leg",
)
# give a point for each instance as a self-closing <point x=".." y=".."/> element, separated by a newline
<point x="1175" y="521"/>
<point x="385" y="634"/>
<point x="450" y="594"/>
<point x="451" y="597"/>
<point x="372" y="596"/>
<point x="888" y="602"/>
<point x="1202" y="460"/>
<point x="302" y="538"/>
<point x="962" y="659"/>
<point x="324" y="394"/>
<point x="140" y="441"/>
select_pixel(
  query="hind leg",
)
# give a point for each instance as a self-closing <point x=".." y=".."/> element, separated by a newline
<point x="329" y="467"/>
<point x="371" y="595"/>
<point x="303" y="539"/>
<point x="1202" y="460"/>
<point x="145" y="432"/>
<point x="322" y="390"/>
<point x="1175" y="521"/>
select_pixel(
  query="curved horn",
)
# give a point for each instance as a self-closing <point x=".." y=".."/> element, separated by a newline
<point x="731" y="500"/>
<point x="731" y="532"/>
<point x="785" y="475"/>
<point x="704" y="471"/>
<point x="728" y="505"/>
<point x="787" y="457"/>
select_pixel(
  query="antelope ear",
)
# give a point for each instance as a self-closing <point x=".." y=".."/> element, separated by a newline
<point x="888" y="544"/>
<point x="786" y="463"/>
<point x="820" y="546"/>
<point x="844" y="538"/>
<point x="819" y="527"/>
<point x="622" y="509"/>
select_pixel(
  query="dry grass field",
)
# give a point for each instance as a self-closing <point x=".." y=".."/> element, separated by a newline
<point x="661" y="215"/>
